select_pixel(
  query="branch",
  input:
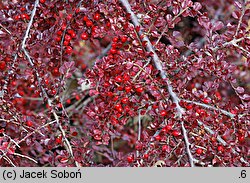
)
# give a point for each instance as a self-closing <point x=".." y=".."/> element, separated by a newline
<point x="139" y="130"/>
<point x="240" y="21"/>
<point x="190" y="156"/>
<point x="223" y="142"/>
<point x="231" y="115"/>
<point x="156" y="59"/>
<point x="27" y="157"/>
<point x="5" y="29"/>
<point x="68" y="146"/>
<point x="28" y="30"/>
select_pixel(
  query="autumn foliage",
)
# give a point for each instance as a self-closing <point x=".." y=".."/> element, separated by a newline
<point x="124" y="83"/>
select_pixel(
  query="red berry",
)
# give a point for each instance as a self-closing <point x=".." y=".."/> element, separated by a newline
<point x="241" y="138"/>
<point x="128" y="89"/>
<point x="118" y="79"/>
<point x="16" y="17"/>
<point x="145" y="156"/>
<point x="77" y="97"/>
<point x="22" y="9"/>
<point x="25" y="16"/>
<point x="115" y="39"/>
<point x="115" y="98"/>
<point x="2" y="65"/>
<point x="138" y="147"/>
<point x="29" y="123"/>
<point x="190" y="106"/>
<point x="139" y="89"/>
<point x="65" y="43"/>
<point x="125" y="100"/>
<point x="168" y="127"/>
<point x="118" y="107"/>
<point x="113" y="51"/>
<point x="218" y="95"/>
<point x="206" y="100"/>
<point x="46" y="81"/>
<point x="85" y="18"/>
<point x="158" y="137"/>
<point x="127" y="108"/>
<point x="72" y="33"/>
<point x="163" y="113"/>
<point x="63" y="26"/>
<point x="233" y="111"/>
<point x="199" y="151"/>
<point x="55" y="72"/>
<point x="59" y="33"/>
<point x="53" y="92"/>
<point x="94" y="28"/>
<point x="114" y="45"/>
<point x="130" y="159"/>
<point x="58" y="39"/>
<point x="59" y="139"/>
<point x="60" y="105"/>
<point x="176" y="133"/>
<point x="165" y="148"/>
<point x="124" y="39"/>
<point x="89" y="23"/>
<point x="220" y="148"/>
<point x="114" y="121"/>
<point x="68" y="101"/>
<point x="97" y="16"/>
<point x="108" y="24"/>
<point x="126" y="77"/>
<point x="67" y="37"/>
<point x="83" y="66"/>
<point x="84" y="36"/>
<point x="69" y="49"/>
<point x="42" y="1"/>
<point x="69" y="16"/>
<point x="120" y="88"/>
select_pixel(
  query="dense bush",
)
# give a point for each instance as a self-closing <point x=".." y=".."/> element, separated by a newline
<point x="118" y="83"/>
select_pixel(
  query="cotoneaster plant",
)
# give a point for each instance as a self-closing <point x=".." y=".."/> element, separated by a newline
<point x="124" y="83"/>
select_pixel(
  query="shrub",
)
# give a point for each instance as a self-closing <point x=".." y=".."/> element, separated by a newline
<point x="118" y="83"/>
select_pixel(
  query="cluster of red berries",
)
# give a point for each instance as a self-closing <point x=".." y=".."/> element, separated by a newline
<point x="117" y="43"/>
<point x="22" y="16"/>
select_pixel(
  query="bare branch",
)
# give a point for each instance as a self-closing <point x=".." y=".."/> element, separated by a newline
<point x="139" y="130"/>
<point x="29" y="26"/>
<point x="5" y="29"/>
<point x="9" y="160"/>
<point x="24" y="156"/>
<point x="240" y="20"/>
<point x="156" y="59"/>
<point x="190" y="156"/>
<point x="231" y="115"/>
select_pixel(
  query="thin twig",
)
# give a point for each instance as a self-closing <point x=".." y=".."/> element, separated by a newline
<point x="9" y="160"/>
<point x="231" y="115"/>
<point x="190" y="156"/>
<point x="139" y="131"/>
<point x="5" y="29"/>
<point x="24" y="156"/>
<point x="240" y="20"/>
